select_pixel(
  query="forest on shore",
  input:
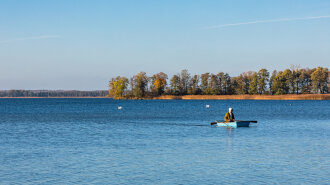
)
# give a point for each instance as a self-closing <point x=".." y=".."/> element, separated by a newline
<point x="52" y="93"/>
<point x="289" y="81"/>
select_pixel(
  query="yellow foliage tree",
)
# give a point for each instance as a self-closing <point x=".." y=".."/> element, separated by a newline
<point x="118" y="86"/>
<point x="159" y="83"/>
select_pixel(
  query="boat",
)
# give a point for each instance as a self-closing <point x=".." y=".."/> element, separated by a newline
<point x="233" y="124"/>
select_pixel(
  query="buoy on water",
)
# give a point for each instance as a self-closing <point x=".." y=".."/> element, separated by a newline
<point x="120" y="107"/>
<point x="207" y="106"/>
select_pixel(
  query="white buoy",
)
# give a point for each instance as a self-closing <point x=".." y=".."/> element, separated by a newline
<point x="120" y="107"/>
<point x="207" y="106"/>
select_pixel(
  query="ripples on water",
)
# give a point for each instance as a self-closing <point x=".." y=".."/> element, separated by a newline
<point x="77" y="141"/>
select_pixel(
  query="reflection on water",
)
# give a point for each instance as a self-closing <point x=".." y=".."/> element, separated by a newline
<point x="230" y="135"/>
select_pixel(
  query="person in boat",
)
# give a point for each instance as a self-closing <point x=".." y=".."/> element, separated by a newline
<point x="229" y="117"/>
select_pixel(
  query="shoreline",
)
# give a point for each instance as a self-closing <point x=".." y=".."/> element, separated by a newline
<point x="213" y="97"/>
<point x="53" y="97"/>
<point x="247" y="97"/>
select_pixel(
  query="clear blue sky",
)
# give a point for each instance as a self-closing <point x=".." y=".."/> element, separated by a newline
<point x="80" y="44"/>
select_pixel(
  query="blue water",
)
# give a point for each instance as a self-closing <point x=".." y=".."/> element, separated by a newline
<point x="90" y="141"/>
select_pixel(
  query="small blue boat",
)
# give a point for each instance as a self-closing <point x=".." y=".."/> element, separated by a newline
<point x="234" y="124"/>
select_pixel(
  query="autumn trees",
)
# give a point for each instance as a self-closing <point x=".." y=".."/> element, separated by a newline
<point x="299" y="81"/>
<point x="319" y="79"/>
<point x="139" y="85"/>
<point x="175" y="85"/>
<point x="289" y="81"/>
<point x="158" y="83"/>
<point x="118" y="86"/>
<point x="263" y="78"/>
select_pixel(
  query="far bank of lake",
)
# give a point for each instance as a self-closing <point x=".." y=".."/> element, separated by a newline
<point x="215" y="97"/>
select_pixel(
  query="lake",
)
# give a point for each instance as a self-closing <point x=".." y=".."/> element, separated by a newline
<point x="91" y="141"/>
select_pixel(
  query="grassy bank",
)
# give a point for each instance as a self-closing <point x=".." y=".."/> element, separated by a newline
<point x="248" y="97"/>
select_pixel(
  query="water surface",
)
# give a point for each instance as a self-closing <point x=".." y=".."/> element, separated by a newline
<point x="90" y="141"/>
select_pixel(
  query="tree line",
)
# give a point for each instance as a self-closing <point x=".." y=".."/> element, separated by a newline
<point x="289" y="81"/>
<point x="49" y="93"/>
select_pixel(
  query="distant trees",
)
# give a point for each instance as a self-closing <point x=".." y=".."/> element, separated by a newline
<point x="159" y="83"/>
<point x="221" y="82"/>
<point x="194" y="87"/>
<point x="253" y="83"/>
<point x="227" y="86"/>
<point x="184" y="81"/>
<point x="263" y="78"/>
<point x="140" y="85"/>
<point x="243" y="83"/>
<point x="289" y="81"/>
<point x="205" y="82"/>
<point x="319" y="78"/>
<point x="214" y="87"/>
<point x="279" y="84"/>
<point x="175" y="84"/>
<point x="118" y="86"/>
<point x="305" y="81"/>
<point x="272" y="82"/>
<point x="52" y="93"/>
<point x="239" y="84"/>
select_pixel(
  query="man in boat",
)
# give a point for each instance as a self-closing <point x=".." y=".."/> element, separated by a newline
<point x="229" y="117"/>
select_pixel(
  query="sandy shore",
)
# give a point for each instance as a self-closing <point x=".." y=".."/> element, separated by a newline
<point x="223" y="97"/>
<point x="248" y="97"/>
